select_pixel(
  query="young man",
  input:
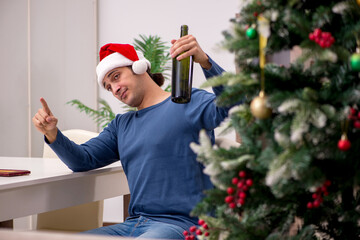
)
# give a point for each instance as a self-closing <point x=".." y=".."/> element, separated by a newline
<point x="152" y="143"/>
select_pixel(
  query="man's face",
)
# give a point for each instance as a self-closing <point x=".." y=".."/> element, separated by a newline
<point x="124" y="85"/>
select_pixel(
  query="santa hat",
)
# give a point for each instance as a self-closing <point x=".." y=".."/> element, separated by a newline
<point x="114" y="55"/>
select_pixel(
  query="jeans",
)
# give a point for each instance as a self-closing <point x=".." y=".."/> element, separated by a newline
<point x="141" y="227"/>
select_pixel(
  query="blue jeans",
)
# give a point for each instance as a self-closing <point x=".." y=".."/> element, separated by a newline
<point x="141" y="227"/>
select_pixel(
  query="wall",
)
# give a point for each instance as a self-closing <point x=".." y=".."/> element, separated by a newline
<point x="48" y="49"/>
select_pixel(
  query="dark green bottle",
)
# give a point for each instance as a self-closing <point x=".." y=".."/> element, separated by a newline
<point x="182" y="73"/>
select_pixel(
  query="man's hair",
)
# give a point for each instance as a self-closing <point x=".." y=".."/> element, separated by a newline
<point x="158" y="78"/>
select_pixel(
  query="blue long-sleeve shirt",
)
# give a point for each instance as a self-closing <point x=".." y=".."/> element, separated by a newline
<point x="153" y="145"/>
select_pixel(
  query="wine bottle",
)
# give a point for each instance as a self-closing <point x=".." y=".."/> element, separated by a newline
<point x="182" y="73"/>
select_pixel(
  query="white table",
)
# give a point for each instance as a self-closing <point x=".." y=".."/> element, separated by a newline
<point x="51" y="185"/>
<point x="13" y="235"/>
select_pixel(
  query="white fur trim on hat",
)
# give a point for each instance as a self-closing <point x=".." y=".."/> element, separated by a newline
<point x="140" y="66"/>
<point x="116" y="60"/>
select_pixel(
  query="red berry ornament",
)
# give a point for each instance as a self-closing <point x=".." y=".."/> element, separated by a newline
<point x="230" y="190"/>
<point x="232" y="205"/>
<point x="201" y="222"/>
<point x="249" y="182"/>
<point x="357" y="124"/>
<point x="316" y="204"/>
<point x="235" y="180"/>
<point x="355" y="117"/>
<point x="237" y="195"/>
<point x="318" y="195"/>
<point x="327" y="183"/>
<point x="353" y="111"/>
<point x="197" y="231"/>
<point x="242" y="195"/>
<point x="229" y="199"/>
<point x="344" y="144"/>
<point x="242" y="174"/>
<point x="323" y="39"/>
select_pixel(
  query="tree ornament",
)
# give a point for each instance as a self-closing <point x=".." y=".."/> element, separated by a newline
<point x="355" y="61"/>
<point x="344" y="144"/>
<point x="323" y="39"/>
<point x="357" y="124"/>
<point x="353" y="114"/>
<point x="197" y="231"/>
<point x="251" y="33"/>
<point x="259" y="107"/>
<point x="236" y="196"/>
<point x="358" y="2"/>
<point x="318" y="196"/>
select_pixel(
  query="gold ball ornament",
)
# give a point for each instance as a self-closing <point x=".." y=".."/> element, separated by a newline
<point x="358" y="2"/>
<point x="259" y="107"/>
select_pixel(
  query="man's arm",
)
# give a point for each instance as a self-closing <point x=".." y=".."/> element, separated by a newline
<point x="95" y="153"/>
<point x="214" y="71"/>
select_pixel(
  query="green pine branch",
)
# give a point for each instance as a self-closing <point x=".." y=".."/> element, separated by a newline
<point x="103" y="116"/>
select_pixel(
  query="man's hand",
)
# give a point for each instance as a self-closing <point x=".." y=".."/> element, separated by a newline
<point x="188" y="45"/>
<point x="45" y="122"/>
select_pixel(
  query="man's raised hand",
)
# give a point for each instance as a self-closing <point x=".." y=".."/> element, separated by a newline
<point x="45" y="122"/>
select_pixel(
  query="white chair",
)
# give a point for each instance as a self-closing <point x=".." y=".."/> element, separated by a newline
<point x="78" y="218"/>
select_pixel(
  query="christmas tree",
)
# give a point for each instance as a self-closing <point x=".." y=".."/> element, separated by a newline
<point x="296" y="173"/>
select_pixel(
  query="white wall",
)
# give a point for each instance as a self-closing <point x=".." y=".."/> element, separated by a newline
<point x="14" y="137"/>
<point x="122" y="21"/>
<point x="48" y="49"/>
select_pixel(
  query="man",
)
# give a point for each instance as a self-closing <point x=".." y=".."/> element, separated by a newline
<point x="152" y="143"/>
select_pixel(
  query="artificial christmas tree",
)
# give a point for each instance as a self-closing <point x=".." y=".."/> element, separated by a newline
<point x="300" y="164"/>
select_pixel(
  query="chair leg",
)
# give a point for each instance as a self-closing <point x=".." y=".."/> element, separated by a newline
<point x="126" y="205"/>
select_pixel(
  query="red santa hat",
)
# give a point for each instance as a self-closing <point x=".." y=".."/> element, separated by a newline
<point x="114" y="55"/>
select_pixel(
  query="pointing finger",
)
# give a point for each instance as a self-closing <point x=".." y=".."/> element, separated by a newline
<point x="45" y="106"/>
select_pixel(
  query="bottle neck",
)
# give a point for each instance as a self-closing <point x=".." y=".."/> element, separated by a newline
<point x="184" y="30"/>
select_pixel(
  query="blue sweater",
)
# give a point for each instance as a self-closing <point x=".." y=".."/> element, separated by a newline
<point x="164" y="177"/>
